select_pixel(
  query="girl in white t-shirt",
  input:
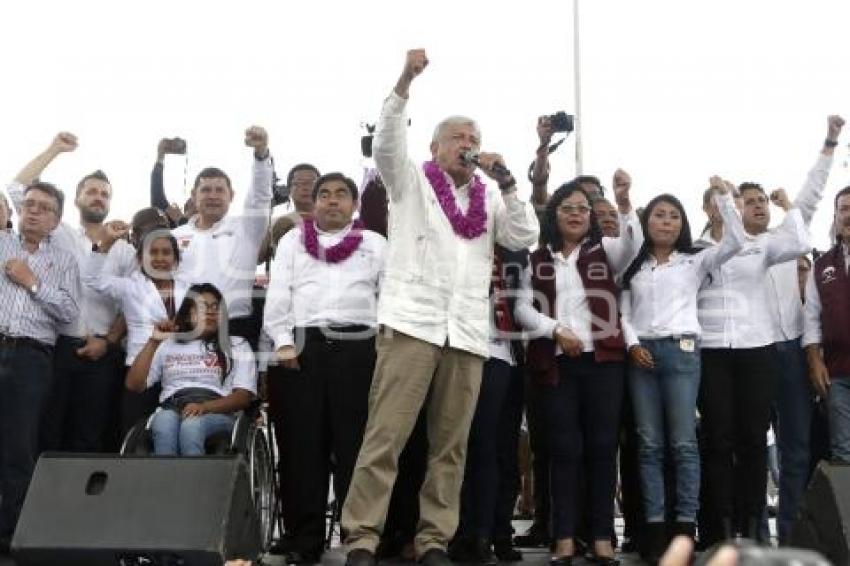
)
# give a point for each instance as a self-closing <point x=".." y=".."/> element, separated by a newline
<point x="206" y="375"/>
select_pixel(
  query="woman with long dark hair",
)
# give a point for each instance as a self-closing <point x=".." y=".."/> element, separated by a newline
<point x="659" y="305"/>
<point x="568" y="302"/>
<point x="206" y="375"/>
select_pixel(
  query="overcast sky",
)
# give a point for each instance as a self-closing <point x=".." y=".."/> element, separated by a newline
<point x="672" y="91"/>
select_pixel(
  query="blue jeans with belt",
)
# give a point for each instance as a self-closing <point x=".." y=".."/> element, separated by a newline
<point x="667" y="393"/>
<point x="25" y="373"/>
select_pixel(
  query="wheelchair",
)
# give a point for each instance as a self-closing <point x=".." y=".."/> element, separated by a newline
<point x="251" y="438"/>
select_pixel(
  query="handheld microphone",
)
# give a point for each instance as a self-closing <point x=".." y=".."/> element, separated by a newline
<point x="472" y="157"/>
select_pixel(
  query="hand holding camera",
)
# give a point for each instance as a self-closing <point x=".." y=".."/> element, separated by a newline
<point x="174" y="146"/>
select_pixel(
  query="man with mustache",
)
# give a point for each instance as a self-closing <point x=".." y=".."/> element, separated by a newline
<point x="85" y="388"/>
<point x="825" y="337"/>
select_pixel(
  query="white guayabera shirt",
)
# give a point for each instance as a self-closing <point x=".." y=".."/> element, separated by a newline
<point x="436" y="283"/>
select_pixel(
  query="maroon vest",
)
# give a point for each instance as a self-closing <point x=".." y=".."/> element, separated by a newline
<point x="833" y="287"/>
<point x="602" y="298"/>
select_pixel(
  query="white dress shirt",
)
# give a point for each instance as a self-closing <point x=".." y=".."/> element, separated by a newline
<point x="571" y="307"/>
<point x="783" y="289"/>
<point x="662" y="299"/>
<point x="305" y="291"/>
<point x="97" y="313"/>
<point x="226" y="254"/>
<point x="137" y="296"/>
<point x="436" y="283"/>
<point x="734" y="308"/>
<point x="812" y="331"/>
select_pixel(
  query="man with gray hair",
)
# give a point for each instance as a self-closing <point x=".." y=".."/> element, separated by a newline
<point x="433" y="310"/>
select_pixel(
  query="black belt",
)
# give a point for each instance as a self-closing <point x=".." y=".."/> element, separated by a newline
<point x="337" y="332"/>
<point x="7" y="341"/>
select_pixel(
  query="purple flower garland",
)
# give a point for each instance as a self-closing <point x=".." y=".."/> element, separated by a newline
<point x="336" y="253"/>
<point x="474" y="223"/>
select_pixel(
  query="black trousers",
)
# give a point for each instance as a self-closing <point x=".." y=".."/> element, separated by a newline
<point x="583" y="415"/>
<point x="83" y="398"/>
<point x="538" y="433"/>
<point x="320" y="415"/>
<point x="508" y="457"/>
<point x="481" y="481"/>
<point x="737" y="390"/>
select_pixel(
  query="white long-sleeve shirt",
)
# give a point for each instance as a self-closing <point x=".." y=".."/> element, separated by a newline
<point x="304" y="291"/>
<point x="812" y="331"/>
<point x="571" y="307"/>
<point x="436" y="283"/>
<point x="226" y="254"/>
<point x="137" y="296"/>
<point x="734" y="309"/>
<point x="662" y="299"/>
<point x="97" y="313"/>
<point x="783" y="290"/>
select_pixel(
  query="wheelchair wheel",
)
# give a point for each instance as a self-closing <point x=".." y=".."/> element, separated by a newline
<point x="261" y="468"/>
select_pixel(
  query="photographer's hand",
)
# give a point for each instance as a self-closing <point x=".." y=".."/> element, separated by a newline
<point x="414" y="64"/>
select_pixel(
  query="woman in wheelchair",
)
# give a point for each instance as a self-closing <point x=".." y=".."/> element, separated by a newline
<point x="206" y="376"/>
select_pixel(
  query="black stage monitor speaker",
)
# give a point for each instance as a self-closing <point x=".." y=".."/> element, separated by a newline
<point x="97" y="510"/>
<point x="823" y="522"/>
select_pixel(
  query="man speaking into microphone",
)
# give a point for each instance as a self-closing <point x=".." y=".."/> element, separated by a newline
<point x="433" y="313"/>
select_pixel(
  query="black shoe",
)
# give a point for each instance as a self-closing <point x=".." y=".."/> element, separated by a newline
<point x="297" y="557"/>
<point x="602" y="560"/>
<point x="683" y="528"/>
<point x="629" y="546"/>
<point x="561" y="561"/>
<point x="280" y="547"/>
<point x="505" y="551"/>
<point x="360" y="557"/>
<point x="435" y="557"/>
<point x="472" y="550"/>
<point x="535" y="537"/>
<point x="654" y="542"/>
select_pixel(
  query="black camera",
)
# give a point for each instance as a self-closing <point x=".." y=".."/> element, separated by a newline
<point x="366" y="141"/>
<point x="561" y="122"/>
<point x="280" y="192"/>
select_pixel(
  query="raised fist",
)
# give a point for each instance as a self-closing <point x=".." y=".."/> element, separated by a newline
<point x="64" y="141"/>
<point x="834" y="125"/>
<point x="258" y="138"/>
<point x="622" y="183"/>
<point x="115" y="229"/>
<point x="780" y="198"/>
<point x="716" y="183"/>
<point x="415" y="63"/>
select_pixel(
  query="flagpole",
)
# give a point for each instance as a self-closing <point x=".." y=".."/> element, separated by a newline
<point x="577" y="86"/>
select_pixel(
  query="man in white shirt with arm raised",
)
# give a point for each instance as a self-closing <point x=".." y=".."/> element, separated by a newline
<point x="222" y="250"/>
<point x="433" y="308"/>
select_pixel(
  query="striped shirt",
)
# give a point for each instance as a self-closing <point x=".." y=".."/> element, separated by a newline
<point x="38" y="316"/>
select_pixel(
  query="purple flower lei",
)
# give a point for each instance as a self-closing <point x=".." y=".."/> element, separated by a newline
<point x="474" y="223"/>
<point x="336" y="253"/>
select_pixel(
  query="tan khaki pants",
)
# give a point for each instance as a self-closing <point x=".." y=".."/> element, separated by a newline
<point x="407" y="368"/>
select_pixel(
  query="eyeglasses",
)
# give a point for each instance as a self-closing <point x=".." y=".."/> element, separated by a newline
<point x="582" y="209"/>
<point x="211" y="308"/>
<point x="37" y="206"/>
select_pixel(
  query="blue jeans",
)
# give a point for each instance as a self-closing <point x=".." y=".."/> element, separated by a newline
<point x="173" y="434"/>
<point x="838" y="401"/>
<point x="794" y="407"/>
<point x="667" y="394"/>
<point x="25" y="373"/>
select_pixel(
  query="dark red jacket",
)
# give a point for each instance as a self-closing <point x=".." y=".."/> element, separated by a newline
<point x="833" y="286"/>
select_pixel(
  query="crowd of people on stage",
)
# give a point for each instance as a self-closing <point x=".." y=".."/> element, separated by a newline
<point x="406" y="332"/>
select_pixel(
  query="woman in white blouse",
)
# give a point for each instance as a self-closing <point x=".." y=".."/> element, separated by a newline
<point x="568" y="303"/>
<point x="659" y="313"/>
<point x="206" y="375"/>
